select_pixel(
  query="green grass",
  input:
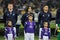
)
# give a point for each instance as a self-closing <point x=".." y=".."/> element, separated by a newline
<point x="1" y="25"/>
<point x="22" y="38"/>
<point x="52" y="24"/>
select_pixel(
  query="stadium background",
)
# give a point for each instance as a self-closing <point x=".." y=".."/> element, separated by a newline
<point x="53" y="4"/>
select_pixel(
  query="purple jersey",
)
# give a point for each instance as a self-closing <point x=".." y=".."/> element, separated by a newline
<point x="9" y="30"/>
<point x="29" y="27"/>
<point x="45" y="32"/>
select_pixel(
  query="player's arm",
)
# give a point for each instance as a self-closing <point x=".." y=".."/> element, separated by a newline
<point x="34" y="25"/>
<point x="16" y="16"/>
<point x="6" y="33"/>
<point x="4" y="17"/>
<point x="25" y="26"/>
<point x="49" y="33"/>
<point x="57" y="18"/>
<point x="50" y="16"/>
<point x="39" y="17"/>
<point x="13" y="33"/>
<point x="42" y="34"/>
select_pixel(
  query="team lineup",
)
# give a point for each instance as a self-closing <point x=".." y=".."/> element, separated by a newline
<point x="13" y="20"/>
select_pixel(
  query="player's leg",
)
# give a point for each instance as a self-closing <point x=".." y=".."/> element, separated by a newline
<point x="17" y="29"/>
<point x="10" y="36"/>
<point x="32" y="36"/>
<point x="45" y="38"/>
<point x="26" y="36"/>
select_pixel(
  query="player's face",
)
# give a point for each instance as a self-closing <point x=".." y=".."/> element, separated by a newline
<point x="10" y="6"/>
<point x="30" y="17"/>
<point x="29" y="9"/>
<point x="45" y="24"/>
<point x="22" y="12"/>
<point x="10" y="23"/>
<point x="45" y="8"/>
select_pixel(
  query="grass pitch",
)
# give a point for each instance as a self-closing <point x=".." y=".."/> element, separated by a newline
<point x="22" y="38"/>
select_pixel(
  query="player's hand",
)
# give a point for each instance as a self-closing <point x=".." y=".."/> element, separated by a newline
<point x="57" y="27"/>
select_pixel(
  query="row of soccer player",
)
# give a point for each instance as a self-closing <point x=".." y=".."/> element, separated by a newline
<point x="29" y="29"/>
<point x="44" y="15"/>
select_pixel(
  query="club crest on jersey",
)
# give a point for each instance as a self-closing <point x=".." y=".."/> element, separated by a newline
<point x="30" y="23"/>
<point x="13" y="14"/>
<point x="31" y="27"/>
<point x="48" y="15"/>
<point x="43" y="15"/>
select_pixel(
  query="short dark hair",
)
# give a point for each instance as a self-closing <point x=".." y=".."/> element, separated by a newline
<point x="45" y="5"/>
<point x="28" y="8"/>
<point x="8" y="21"/>
<point x="30" y="15"/>
<point x="45" y="22"/>
<point x="10" y="3"/>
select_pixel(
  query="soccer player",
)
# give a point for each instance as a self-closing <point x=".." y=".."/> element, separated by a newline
<point x="45" y="33"/>
<point x="44" y="15"/>
<point x="10" y="15"/>
<point x="29" y="28"/>
<point x="9" y="31"/>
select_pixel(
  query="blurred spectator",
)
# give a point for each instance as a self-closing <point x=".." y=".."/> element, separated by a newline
<point x="4" y="4"/>
<point x="36" y="14"/>
<point x="24" y="7"/>
<point x="29" y="1"/>
<point x="23" y="1"/>
<point x="18" y="24"/>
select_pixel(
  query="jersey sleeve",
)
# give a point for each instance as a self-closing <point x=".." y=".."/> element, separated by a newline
<point x="49" y="33"/>
<point x="6" y="31"/>
<point x="42" y="34"/>
<point x="57" y="16"/>
<point x="34" y="25"/>
<point x="25" y="26"/>
<point x="39" y="17"/>
<point x="50" y="16"/>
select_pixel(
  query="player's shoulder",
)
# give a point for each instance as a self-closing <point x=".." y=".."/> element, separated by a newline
<point x="42" y="30"/>
<point x="26" y="22"/>
<point x="41" y="13"/>
<point x="6" y="28"/>
<point x="48" y="28"/>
